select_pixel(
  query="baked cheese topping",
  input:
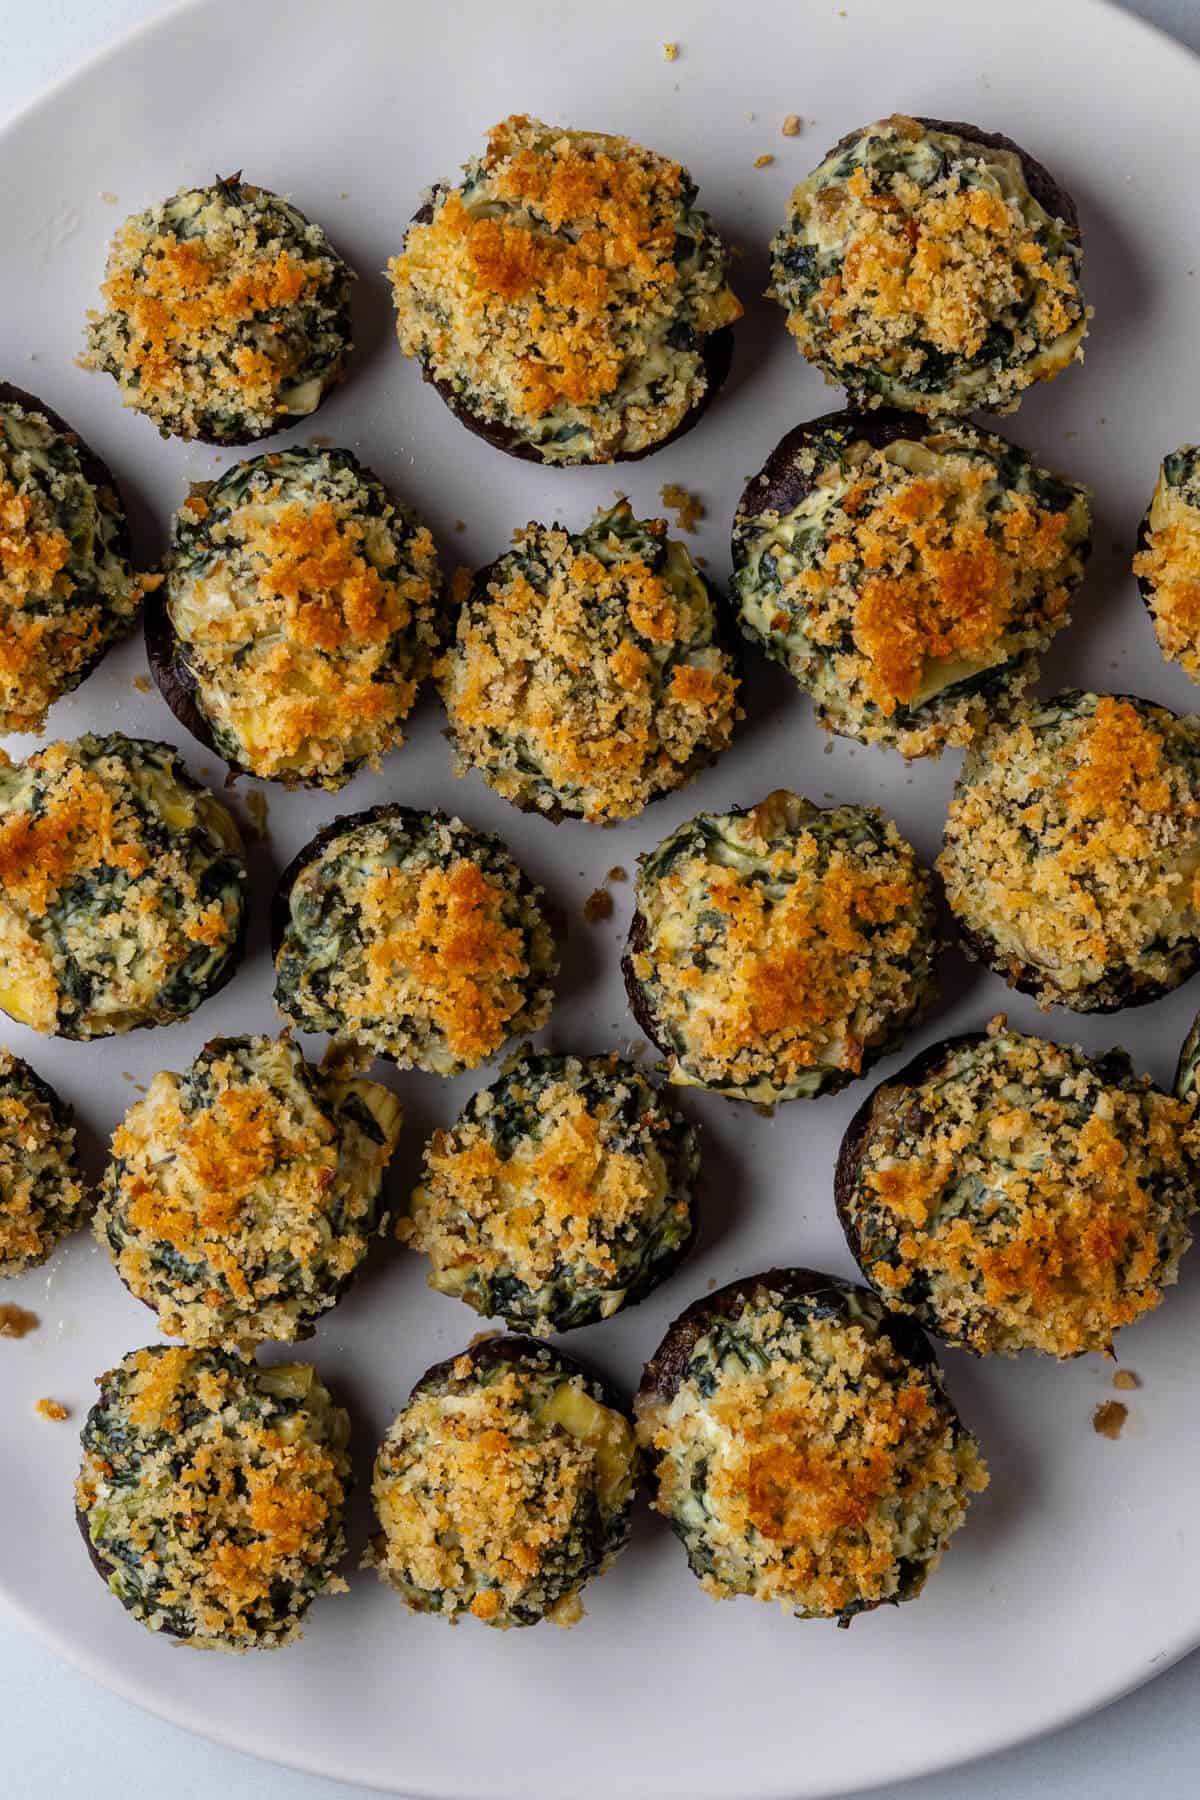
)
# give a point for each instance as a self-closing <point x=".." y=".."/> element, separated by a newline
<point x="42" y="1199"/>
<point x="784" y="948"/>
<point x="242" y="1196"/>
<point x="918" y="269"/>
<point x="586" y="677"/>
<point x="500" y="1490"/>
<point x="212" y="1492"/>
<point x="121" y="887"/>
<point x="226" y="313"/>
<point x="1169" y="565"/>
<point x="563" y="291"/>
<point x="912" y="587"/>
<point x="418" y="938"/>
<point x="1025" y="1196"/>
<point x="1073" y="844"/>
<point x="67" y="590"/>
<point x="304" y="601"/>
<point x="562" y="1193"/>
<point x="803" y="1460"/>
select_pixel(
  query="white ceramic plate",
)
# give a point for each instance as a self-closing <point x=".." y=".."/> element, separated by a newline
<point x="1073" y="1580"/>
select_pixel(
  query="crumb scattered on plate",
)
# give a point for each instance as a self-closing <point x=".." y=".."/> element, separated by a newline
<point x="460" y="524"/>
<point x="51" y="1409"/>
<point x="17" y="1321"/>
<point x="1126" y="1380"/>
<point x="792" y="125"/>
<point x="688" y="508"/>
<point x="258" y="809"/>
<point x="617" y="873"/>
<point x="1109" y="1418"/>
<point x="143" y="684"/>
<point x="763" y="161"/>
<point x="671" y="52"/>
<point x="598" y="906"/>
<point x="108" y="197"/>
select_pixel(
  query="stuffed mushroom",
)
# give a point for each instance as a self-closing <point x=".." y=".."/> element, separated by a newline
<point x="42" y="1194"/>
<point x="122" y="888"/>
<point x="226" y="314"/>
<point x="562" y="1194"/>
<point x="415" y="937"/>
<point x="211" y="1495"/>
<point x="67" y="587"/>
<point x="906" y="572"/>
<point x="588" y="675"/>
<point x="1072" y="850"/>
<point x="1167" y="564"/>
<point x="1011" y="1194"/>
<point x="568" y="299"/>
<point x="298" y="617"/>
<point x="932" y="266"/>
<point x="777" y="952"/>
<point x="803" y="1446"/>
<point x="504" y="1485"/>
<point x="242" y="1195"/>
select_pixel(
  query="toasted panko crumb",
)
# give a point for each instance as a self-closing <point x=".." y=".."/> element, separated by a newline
<point x="791" y="126"/>
<point x="617" y="873"/>
<point x="17" y="1321"/>
<point x="764" y="161"/>
<point x="1126" y="1380"/>
<point x="671" y="52"/>
<point x="598" y="906"/>
<point x="688" y="508"/>
<point x="1108" y="1420"/>
<point x="51" y="1409"/>
<point x="143" y="684"/>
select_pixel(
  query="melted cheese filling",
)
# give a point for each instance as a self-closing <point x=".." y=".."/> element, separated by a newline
<point x="120" y="887"/>
<point x="483" y="1489"/>
<point x="437" y="954"/>
<point x="241" y="1197"/>
<point x="588" y="676"/>
<point x="224" y="313"/>
<point x="786" y="945"/>
<point x="215" y="1491"/>
<point x="807" y="1463"/>
<point x="41" y="1197"/>
<point x="917" y="267"/>
<point x="1030" y="1202"/>
<point x="1073" y="841"/>
<point x="545" y="1182"/>
<point x="907" y="571"/>
<point x="66" y="592"/>
<point x="563" y="289"/>
<point x="1170" y="562"/>
<point x="306" y="601"/>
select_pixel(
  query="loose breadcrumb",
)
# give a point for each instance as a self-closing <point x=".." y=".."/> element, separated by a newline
<point x="792" y="125"/>
<point x="617" y="873"/>
<point x="598" y="906"/>
<point x="671" y="52"/>
<point x="143" y="684"/>
<point x="764" y="161"/>
<point x="51" y="1409"/>
<point x="16" y="1321"/>
<point x="1108" y="1420"/>
<point x="688" y="508"/>
<point x="1126" y="1380"/>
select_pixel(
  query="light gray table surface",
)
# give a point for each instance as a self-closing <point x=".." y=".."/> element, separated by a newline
<point x="63" y="1735"/>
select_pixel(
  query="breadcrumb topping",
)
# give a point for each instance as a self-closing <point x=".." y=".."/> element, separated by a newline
<point x="242" y="1195"/>
<point x="66" y="588"/>
<point x="499" y="1492"/>
<point x="225" y="313"/>
<point x="305" y="601"/>
<point x="557" y="1195"/>
<point x="120" y="887"/>
<point x="917" y="268"/>
<point x="1023" y="1196"/>
<point x="803" y="1460"/>
<point x="422" y="941"/>
<point x="1168" y="567"/>
<point x="212" y="1492"/>
<point x="1073" y="845"/>
<point x="905" y="573"/>
<point x="784" y="947"/>
<point x="51" y="1409"/>
<point x="586" y="676"/>
<point x="563" y="290"/>
<point x="42" y="1198"/>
